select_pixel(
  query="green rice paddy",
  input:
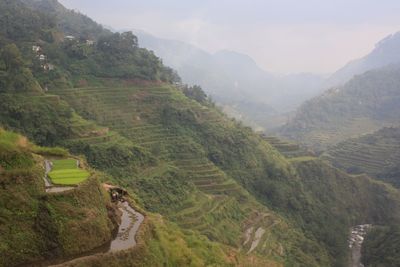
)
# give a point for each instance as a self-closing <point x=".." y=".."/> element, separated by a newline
<point x="66" y="172"/>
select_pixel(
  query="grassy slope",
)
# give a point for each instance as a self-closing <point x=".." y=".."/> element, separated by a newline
<point x="197" y="140"/>
<point x="103" y="148"/>
<point x="35" y="225"/>
<point x="376" y="154"/>
<point x="193" y="141"/>
<point x="189" y="163"/>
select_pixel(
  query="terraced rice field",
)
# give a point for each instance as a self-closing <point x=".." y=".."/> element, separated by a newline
<point x="134" y="114"/>
<point x="374" y="154"/>
<point x="334" y="132"/>
<point x="66" y="172"/>
<point x="287" y="148"/>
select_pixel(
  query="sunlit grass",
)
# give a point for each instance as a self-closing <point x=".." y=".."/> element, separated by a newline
<point x="66" y="172"/>
<point x="63" y="164"/>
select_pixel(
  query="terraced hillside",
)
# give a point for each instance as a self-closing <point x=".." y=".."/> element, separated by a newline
<point x="287" y="148"/>
<point x="41" y="228"/>
<point x="377" y="155"/>
<point x="198" y="164"/>
<point x="185" y="181"/>
<point x="214" y="193"/>
<point x="196" y="176"/>
<point x="365" y="104"/>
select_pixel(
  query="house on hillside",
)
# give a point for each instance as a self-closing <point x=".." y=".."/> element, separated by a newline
<point x="69" y="38"/>
<point x="90" y="42"/>
<point x="116" y="193"/>
<point x="42" y="57"/>
<point x="48" y="66"/>
<point x="36" y="48"/>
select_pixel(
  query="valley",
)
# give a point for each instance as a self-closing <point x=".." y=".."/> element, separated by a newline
<point x="108" y="159"/>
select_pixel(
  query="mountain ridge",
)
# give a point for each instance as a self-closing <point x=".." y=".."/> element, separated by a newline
<point x="385" y="53"/>
<point x="214" y="192"/>
<point x="363" y="105"/>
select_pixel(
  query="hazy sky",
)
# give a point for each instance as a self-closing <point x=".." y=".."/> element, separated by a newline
<point x="281" y="35"/>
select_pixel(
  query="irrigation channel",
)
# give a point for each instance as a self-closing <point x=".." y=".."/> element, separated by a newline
<point x="356" y="240"/>
<point x="125" y="238"/>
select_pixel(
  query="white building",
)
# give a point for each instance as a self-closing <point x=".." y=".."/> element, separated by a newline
<point x="36" y="48"/>
<point x="69" y="37"/>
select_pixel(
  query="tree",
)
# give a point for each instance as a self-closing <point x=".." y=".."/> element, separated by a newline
<point x="12" y="58"/>
<point x="16" y="77"/>
<point x="118" y="43"/>
<point x="195" y="92"/>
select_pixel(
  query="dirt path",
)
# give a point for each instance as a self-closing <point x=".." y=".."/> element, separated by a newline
<point x="257" y="237"/>
<point x="130" y="223"/>
<point x="50" y="188"/>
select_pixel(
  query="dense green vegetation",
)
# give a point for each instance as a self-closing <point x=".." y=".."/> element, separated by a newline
<point x="342" y="199"/>
<point x="89" y="53"/>
<point x="376" y="154"/>
<point x="29" y="25"/>
<point x="381" y="247"/>
<point x="40" y="118"/>
<point x="69" y="21"/>
<point x="365" y="104"/>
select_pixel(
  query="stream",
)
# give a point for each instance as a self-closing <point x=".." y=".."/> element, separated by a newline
<point x="356" y="240"/>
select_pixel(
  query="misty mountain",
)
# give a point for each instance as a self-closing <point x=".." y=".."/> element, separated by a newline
<point x="235" y="80"/>
<point x="364" y="104"/>
<point x="386" y="52"/>
<point x="71" y="22"/>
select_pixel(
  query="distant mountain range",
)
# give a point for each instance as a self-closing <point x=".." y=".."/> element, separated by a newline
<point x="386" y="52"/>
<point x="235" y="81"/>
